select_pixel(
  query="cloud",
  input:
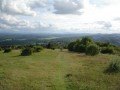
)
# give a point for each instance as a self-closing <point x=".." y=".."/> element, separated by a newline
<point x="8" y="20"/>
<point x="117" y="19"/>
<point x="60" y="16"/>
<point x="105" y="25"/>
<point x="68" y="6"/>
<point x="37" y="3"/>
<point x="16" y="7"/>
<point x="99" y="3"/>
<point x="104" y="3"/>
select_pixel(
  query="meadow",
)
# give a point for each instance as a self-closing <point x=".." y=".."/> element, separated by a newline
<point x="56" y="70"/>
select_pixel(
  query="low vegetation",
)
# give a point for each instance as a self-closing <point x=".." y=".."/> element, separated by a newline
<point x="86" y="45"/>
<point x="26" y="52"/>
<point x="31" y="49"/>
<point x="113" y="67"/>
<point x="7" y="50"/>
<point x="92" y="50"/>
<point x="56" y="70"/>
<point x="0" y="49"/>
<point x="37" y="48"/>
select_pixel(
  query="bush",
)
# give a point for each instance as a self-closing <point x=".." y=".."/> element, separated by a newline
<point x="27" y="52"/>
<point x="0" y="49"/>
<point x="76" y="48"/>
<point x="37" y="48"/>
<point x="7" y="50"/>
<point x="71" y="46"/>
<point x="113" y="67"/>
<point x="92" y="50"/>
<point x="86" y="41"/>
<point x="107" y="50"/>
<point x="53" y="48"/>
<point x="81" y="48"/>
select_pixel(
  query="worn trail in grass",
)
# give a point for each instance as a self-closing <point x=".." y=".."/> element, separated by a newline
<point x="56" y="70"/>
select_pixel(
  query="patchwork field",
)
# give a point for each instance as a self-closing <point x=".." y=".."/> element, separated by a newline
<point x="56" y="70"/>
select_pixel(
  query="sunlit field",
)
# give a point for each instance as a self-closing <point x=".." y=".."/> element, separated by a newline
<point x="56" y="70"/>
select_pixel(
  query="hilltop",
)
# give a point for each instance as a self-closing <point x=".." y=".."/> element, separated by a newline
<point x="56" y="70"/>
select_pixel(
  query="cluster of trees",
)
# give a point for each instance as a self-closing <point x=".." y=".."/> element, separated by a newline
<point x="86" y="45"/>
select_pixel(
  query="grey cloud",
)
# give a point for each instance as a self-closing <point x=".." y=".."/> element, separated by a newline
<point x="15" y="7"/>
<point x="37" y="3"/>
<point x="117" y="19"/>
<point x="106" y="25"/>
<point x="68" y="6"/>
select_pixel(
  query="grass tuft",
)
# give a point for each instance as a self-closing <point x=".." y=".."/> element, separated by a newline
<point x="113" y="67"/>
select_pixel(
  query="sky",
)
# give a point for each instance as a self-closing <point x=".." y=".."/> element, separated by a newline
<point x="60" y="16"/>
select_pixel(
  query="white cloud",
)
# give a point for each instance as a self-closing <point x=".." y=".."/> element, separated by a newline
<point x="37" y="3"/>
<point x="86" y="16"/>
<point x="68" y="6"/>
<point x="14" y="7"/>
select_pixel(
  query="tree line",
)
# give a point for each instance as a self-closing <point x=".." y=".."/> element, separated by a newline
<point x="89" y="47"/>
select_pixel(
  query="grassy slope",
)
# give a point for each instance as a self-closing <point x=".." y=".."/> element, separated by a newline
<point x="55" y="70"/>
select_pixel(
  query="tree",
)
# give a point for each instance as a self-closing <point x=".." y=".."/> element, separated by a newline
<point x="92" y="50"/>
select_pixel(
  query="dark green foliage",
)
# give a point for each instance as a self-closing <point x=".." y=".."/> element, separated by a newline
<point x="113" y="67"/>
<point x="0" y="49"/>
<point x="27" y="52"/>
<point x="92" y="50"/>
<point x="71" y="46"/>
<point x="104" y="44"/>
<point x="76" y="47"/>
<point x="51" y="45"/>
<point x="86" y="41"/>
<point x="37" y="48"/>
<point x="80" y="46"/>
<point x="53" y="48"/>
<point x="7" y="50"/>
<point x="107" y="50"/>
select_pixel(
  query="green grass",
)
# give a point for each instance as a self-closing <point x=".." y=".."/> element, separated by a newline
<point x="56" y="70"/>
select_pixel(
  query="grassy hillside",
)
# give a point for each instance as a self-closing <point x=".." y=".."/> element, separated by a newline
<point x="56" y="70"/>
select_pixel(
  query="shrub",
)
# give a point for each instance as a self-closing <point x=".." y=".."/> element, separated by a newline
<point x="81" y="48"/>
<point x="26" y="52"/>
<point x="7" y="50"/>
<point x="86" y="41"/>
<point x="76" y="48"/>
<point x="53" y="48"/>
<point x="113" y="67"/>
<point x="92" y="50"/>
<point x="107" y="50"/>
<point x="0" y="49"/>
<point x="71" y="46"/>
<point x="37" y="48"/>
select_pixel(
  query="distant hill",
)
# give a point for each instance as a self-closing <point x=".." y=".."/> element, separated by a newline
<point x="20" y="39"/>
